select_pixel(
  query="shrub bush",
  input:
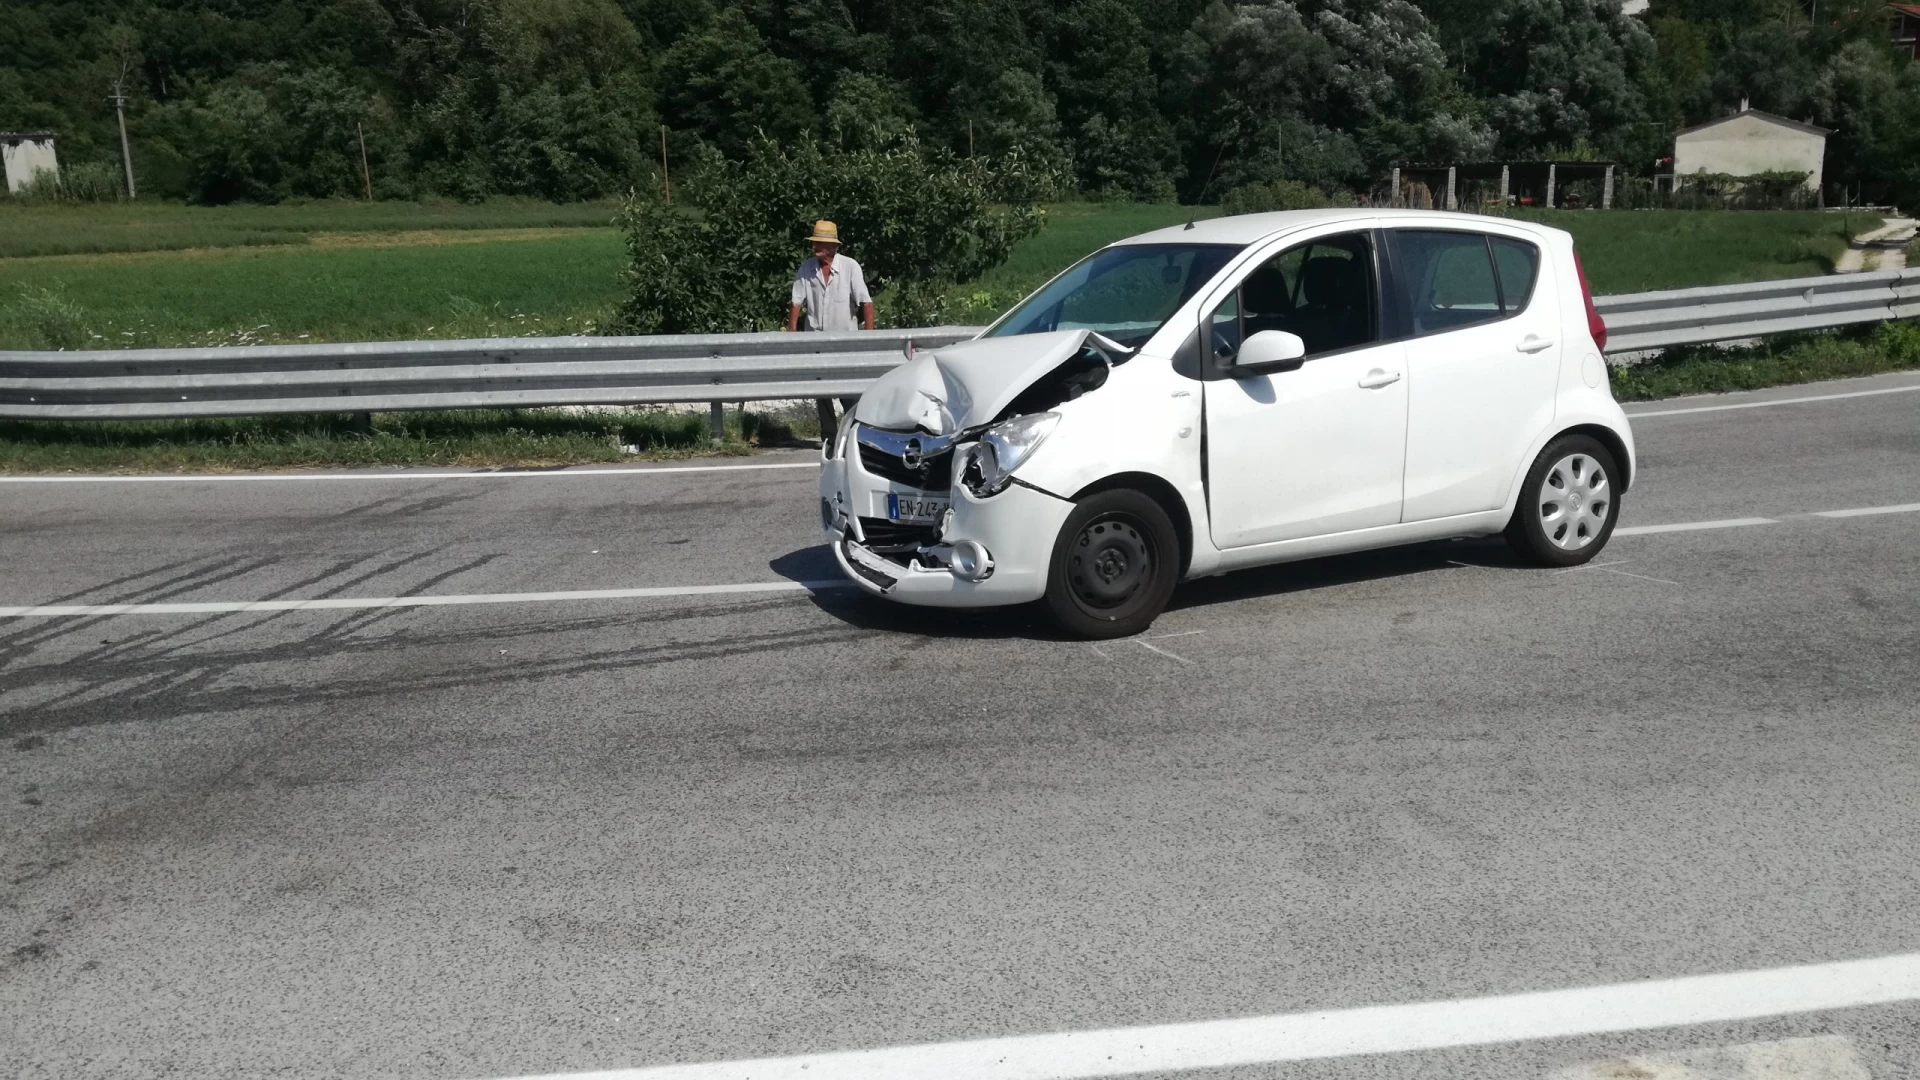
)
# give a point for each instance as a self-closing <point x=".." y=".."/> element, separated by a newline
<point x="1279" y="195"/>
<point x="917" y="220"/>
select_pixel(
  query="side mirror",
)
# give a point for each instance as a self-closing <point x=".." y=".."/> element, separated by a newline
<point x="1269" y="347"/>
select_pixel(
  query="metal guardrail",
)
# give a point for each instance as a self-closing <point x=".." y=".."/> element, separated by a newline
<point x="521" y="372"/>
<point x="483" y="373"/>
<point x="1658" y="320"/>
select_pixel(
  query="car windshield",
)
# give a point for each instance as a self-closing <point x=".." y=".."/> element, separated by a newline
<point x="1125" y="292"/>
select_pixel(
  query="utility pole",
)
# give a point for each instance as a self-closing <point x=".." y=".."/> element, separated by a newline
<point x="666" y="180"/>
<point x="365" y="174"/>
<point x="119" y="99"/>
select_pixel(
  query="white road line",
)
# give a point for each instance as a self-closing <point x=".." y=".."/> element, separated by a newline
<point x="1776" y="401"/>
<point x="501" y="474"/>
<point x="1161" y="651"/>
<point x="1903" y="508"/>
<point x="1642" y="577"/>
<point x="1379" y="1029"/>
<point x="336" y="603"/>
<point x="1692" y="526"/>
<point x="347" y="602"/>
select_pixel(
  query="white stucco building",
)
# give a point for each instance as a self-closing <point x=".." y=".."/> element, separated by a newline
<point x="1749" y="142"/>
<point x="25" y="153"/>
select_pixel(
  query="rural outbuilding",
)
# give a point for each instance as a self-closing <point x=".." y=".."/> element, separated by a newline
<point x="1750" y="142"/>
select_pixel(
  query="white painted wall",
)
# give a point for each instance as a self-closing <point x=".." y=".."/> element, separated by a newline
<point x="24" y="158"/>
<point x="1744" y="144"/>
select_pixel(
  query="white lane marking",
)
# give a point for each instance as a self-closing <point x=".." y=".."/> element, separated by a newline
<point x="221" y="607"/>
<point x="1821" y="1057"/>
<point x="1155" y="648"/>
<point x="1903" y="508"/>
<point x="1642" y="577"/>
<point x="1378" y="1029"/>
<point x="1776" y="401"/>
<point x="502" y="474"/>
<point x="1607" y="568"/>
<point x="1691" y="526"/>
<point x="335" y="603"/>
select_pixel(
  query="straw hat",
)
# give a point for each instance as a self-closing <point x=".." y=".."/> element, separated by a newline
<point x="824" y="232"/>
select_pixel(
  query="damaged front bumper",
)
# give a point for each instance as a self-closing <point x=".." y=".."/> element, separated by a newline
<point x="992" y="551"/>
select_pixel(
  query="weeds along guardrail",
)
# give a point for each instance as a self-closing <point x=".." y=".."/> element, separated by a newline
<point x="368" y="377"/>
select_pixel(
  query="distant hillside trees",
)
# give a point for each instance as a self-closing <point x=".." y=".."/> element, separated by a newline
<point x="1141" y="99"/>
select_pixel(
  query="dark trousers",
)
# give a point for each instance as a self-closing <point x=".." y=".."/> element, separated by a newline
<point x="828" y="425"/>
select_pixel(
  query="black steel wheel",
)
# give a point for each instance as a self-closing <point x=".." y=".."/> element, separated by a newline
<point x="1114" y="565"/>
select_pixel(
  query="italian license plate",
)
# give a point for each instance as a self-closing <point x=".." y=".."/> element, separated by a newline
<point x="925" y="508"/>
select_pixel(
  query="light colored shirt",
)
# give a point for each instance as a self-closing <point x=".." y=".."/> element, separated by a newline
<point x="829" y="303"/>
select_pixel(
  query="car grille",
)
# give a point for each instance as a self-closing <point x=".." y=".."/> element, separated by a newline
<point x="934" y="474"/>
<point x="883" y="453"/>
<point x="886" y="537"/>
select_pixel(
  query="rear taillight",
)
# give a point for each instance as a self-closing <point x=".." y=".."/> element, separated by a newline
<point x="1595" y="324"/>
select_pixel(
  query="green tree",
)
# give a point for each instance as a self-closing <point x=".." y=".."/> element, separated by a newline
<point x="1557" y="72"/>
<point x="724" y="84"/>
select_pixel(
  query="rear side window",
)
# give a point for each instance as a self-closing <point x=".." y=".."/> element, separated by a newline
<point x="1449" y="280"/>
<point x="1519" y="264"/>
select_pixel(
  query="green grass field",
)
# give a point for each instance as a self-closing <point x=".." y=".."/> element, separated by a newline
<point x="559" y="283"/>
<point x="162" y="275"/>
<point x="29" y="229"/>
<point x="1627" y="251"/>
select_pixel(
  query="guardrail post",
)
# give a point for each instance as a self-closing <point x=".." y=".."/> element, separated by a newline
<point x="363" y="423"/>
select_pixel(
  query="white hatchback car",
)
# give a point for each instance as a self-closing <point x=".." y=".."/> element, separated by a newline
<point x="1237" y="392"/>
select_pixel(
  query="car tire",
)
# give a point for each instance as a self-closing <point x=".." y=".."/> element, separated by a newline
<point x="1114" y="565"/>
<point x="1568" y="503"/>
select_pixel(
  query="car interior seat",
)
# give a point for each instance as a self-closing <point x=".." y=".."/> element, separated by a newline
<point x="1335" y="314"/>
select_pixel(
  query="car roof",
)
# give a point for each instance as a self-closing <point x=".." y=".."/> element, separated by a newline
<point x="1245" y="229"/>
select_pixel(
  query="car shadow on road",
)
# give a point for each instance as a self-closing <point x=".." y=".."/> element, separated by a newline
<point x="816" y="567"/>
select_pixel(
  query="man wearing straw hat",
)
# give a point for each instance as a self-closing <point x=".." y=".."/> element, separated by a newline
<point x="826" y="290"/>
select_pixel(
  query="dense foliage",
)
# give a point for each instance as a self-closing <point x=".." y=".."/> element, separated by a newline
<point x="268" y="99"/>
<point x="918" y="220"/>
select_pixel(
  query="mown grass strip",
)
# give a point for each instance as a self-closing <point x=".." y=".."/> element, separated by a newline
<point x="475" y="437"/>
<point x="1783" y="361"/>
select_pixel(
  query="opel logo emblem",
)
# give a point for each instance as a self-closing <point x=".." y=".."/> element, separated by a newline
<point x="912" y="456"/>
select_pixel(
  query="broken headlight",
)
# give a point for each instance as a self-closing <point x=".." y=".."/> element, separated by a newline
<point x="1002" y="449"/>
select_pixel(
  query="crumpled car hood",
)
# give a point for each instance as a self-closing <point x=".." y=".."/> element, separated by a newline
<point x="947" y="390"/>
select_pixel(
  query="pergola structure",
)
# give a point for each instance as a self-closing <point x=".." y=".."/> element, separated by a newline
<point x="1527" y="183"/>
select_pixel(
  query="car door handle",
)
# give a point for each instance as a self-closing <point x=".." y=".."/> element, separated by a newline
<point x="1375" y="379"/>
<point x="1534" y="343"/>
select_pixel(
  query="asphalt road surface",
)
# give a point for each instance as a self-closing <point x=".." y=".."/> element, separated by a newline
<point x="546" y="833"/>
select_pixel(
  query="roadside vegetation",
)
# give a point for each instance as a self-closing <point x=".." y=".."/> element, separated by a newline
<point x="468" y="438"/>
<point x="1706" y="369"/>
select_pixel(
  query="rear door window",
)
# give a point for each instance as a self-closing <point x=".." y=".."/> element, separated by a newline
<point x="1448" y="280"/>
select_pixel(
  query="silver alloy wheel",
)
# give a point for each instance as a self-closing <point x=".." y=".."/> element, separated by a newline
<point x="1574" y="502"/>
